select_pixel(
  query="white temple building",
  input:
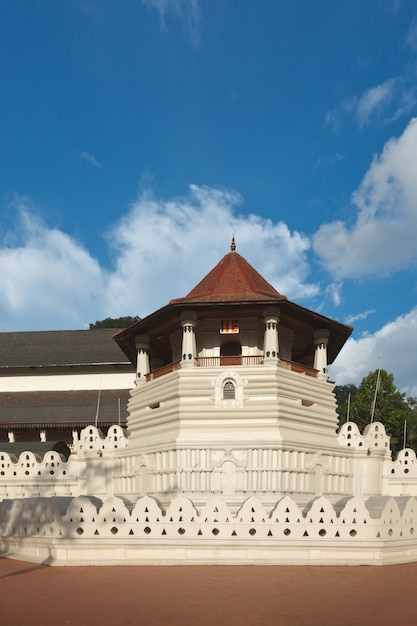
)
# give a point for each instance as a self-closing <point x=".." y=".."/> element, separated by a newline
<point x="233" y="452"/>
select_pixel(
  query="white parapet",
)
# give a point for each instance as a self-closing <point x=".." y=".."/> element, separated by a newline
<point x="87" y="530"/>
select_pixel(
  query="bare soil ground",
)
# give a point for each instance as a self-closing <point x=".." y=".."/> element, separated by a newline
<point x="37" y="595"/>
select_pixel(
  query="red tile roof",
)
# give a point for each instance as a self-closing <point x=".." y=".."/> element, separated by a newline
<point x="232" y="280"/>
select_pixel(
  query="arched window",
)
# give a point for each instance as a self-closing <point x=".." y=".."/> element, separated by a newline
<point x="229" y="390"/>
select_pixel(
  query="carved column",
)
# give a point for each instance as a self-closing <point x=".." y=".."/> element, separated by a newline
<point x="189" y="350"/>
<point x="321" y="339"/>
<point x="271" y="341"/>
<point x="142" y="361"/>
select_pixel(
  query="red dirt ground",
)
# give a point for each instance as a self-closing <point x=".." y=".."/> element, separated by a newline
<point x="36" y="595"/>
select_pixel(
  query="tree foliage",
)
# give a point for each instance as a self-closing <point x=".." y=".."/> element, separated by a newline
<point x="389" y="406"/>
<point x="119" y="322"/>
<point x="344" y="397"/>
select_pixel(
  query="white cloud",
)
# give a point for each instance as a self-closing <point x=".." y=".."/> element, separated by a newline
<point x="88" y="7"/>
<point x="345" y="108"/>
<point x="187" y="11"/>
<point x="412" y="36"/>
<point x="85" y="156"/>
<point x="381" y="104"/>
<point x="48" y="279"/>
<point x="360" y="316"/>
<point x="373" y="102"/>
<point x="160" y="249"/>
<point x="164" y="248"/>
<point x="405" y="104"/>
<point x="333" y="290"/>
<point x="383" y="237"/>
<point x="397" y="340"/>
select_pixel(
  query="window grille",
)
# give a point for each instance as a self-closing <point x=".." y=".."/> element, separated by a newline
<point x="229" y="390"/>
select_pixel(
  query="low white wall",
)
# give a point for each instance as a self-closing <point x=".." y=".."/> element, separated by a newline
<point x="86" y="531"/>
<point x="89" y="470"/>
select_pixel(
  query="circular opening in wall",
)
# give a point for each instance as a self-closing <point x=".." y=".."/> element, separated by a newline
<point x="215" y="531"/>
<point x="353" y="533"/>
<point x="322" y="532"/>
<point x="147" y="530"/>
<point x="181" y="531"/>
<point x="114" y="530"/>
<point x="79" y="531"/>
<point x="252" y="531"/>
<point x="406" y="470"/>
<point x="287" y="532"/>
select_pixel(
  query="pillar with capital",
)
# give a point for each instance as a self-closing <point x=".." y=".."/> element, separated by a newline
<point x="321" y="339"/>
<point x="189" y="349"/>
<point x="271" y="341"/>
<point x="142" y="361"/>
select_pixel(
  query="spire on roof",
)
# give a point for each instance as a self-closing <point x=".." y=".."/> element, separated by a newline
<point x="233" y="246"/>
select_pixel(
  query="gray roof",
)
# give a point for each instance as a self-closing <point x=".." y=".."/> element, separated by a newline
<point x="62" y="409"/>
<point x="61" y="347"/>
<point x="39" y="449"/>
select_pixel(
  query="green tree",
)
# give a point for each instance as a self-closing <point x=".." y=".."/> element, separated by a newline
<point x="389" y="406"/>
<point x="344" y="396"/>
<point x="119" y="322"/>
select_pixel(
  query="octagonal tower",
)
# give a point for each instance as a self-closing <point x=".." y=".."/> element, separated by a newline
<point x="232" y="394"/>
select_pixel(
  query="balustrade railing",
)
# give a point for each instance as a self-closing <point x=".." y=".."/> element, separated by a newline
<point x="166" y="369"/>
<point x="216" y="361"/>
<point x="228" y="361"/>
<point x="298" y="367"/>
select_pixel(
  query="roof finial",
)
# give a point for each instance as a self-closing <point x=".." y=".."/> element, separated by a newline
<point x="233" y="246"/>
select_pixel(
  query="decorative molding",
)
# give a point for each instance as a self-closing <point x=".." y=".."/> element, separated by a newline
<point x="218" y="383"/>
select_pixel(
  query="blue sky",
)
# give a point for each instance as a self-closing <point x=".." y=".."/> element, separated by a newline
<point x="136" y="136"/>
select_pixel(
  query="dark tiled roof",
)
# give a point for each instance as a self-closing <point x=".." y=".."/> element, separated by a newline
<point x="60" y="347"/>
<point x="62" y="409"/>
<point x="39" y="448"/>
<point x="232" y="280"/>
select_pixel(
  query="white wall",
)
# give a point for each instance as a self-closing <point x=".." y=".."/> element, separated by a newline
<point x="67" y="382"/>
